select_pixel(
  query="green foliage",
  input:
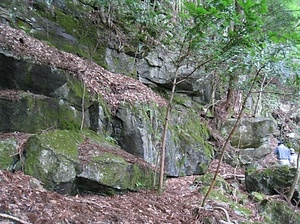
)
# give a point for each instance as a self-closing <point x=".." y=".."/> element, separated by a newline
<point x="138" y="20"/>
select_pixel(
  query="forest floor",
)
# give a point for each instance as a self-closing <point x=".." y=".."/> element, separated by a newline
<point x="24" y="200"/>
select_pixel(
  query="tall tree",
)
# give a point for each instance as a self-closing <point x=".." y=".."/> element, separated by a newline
<point x="206" y="40"/>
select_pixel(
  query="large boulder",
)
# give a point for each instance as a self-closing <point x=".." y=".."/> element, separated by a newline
<point x="254" y="155"/>
<point x="71" y="162"/>
<point x="254" y="138"/>
<point x="250" y="132"/>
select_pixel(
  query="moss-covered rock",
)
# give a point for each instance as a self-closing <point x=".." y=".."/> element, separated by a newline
<point x="75" y="93"/>
<point x="66" y="161"/>
<point x="52" y="157"/>
<point x="188" y="140"/>
<point x="278" y="212"/>
<point x="8" y="153"/>
<point x="138" y="129"/>
<point x="272" y="180"/>
<point x="114" y="172"/>
<point x="59" y="23"/>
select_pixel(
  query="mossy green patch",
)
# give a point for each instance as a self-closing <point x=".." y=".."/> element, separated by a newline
<point x="8" y="152"/>
<point x="72" y="18"/>
<point x="191" y="130"/>
<point x="62" y="141"/>
<point x="141" y="177"/>
<point x="52" y="157"/>
<point x="78" y="93"/>
<point x="257" y="197"/>
<point x="216" y="195"/>
<point x="105" y="107"/>
<point x="33" y="113"/>
<point x="108" y="169"/>
<point x="89" y="46"/>
<point x="112" y="170"/>
<point x="205" y="180"/>
<point x="99" y="138"/>
<point x="151" y="114"/>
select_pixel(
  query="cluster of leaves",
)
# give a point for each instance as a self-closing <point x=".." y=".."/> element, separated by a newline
<point x="143" y="21"/>
<point x="240" y="36"/>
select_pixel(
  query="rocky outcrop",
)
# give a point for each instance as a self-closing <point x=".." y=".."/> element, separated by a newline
<point x="31" y="113"/>
<point x="135" y="132"/>
<point x="72" y="162"/>
<point x="157" y="68"/>
<point x="119" y="107"/>
<point x="138" y="130"/>
<point x="275" y="181"/>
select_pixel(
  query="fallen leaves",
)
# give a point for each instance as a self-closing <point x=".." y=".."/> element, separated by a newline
<point x="34" y="205"/>
<point x="114" y="88"/>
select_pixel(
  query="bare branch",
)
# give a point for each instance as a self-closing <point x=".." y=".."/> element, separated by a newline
<point x="3" y="215"/>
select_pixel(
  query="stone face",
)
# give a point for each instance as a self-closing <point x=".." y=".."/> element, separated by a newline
<point x="31" y="113"/>
<point x="53" y="157"/>
<point x="158" y="68"/>
<point x="138" y="130"/>
<point x="253" y="137"/>
<point x="251" y="155"/>
<point x="23" y="75"/>
<point x="274" y="181"/>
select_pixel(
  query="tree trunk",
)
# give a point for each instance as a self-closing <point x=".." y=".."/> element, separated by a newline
<point x="164" y="137"/>
<point x="228" y="138"/>
<point x="296" y="180"/>
<point x="230" y="93"/>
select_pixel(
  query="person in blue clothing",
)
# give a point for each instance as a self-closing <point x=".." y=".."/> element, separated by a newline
<point x="283" y="154"/>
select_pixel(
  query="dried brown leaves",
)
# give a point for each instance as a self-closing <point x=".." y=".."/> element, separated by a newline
<point x="114" y="88"/>
<point x="22" y="199"/>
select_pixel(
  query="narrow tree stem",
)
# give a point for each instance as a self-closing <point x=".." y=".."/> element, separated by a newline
<point x="229" y="137"/>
